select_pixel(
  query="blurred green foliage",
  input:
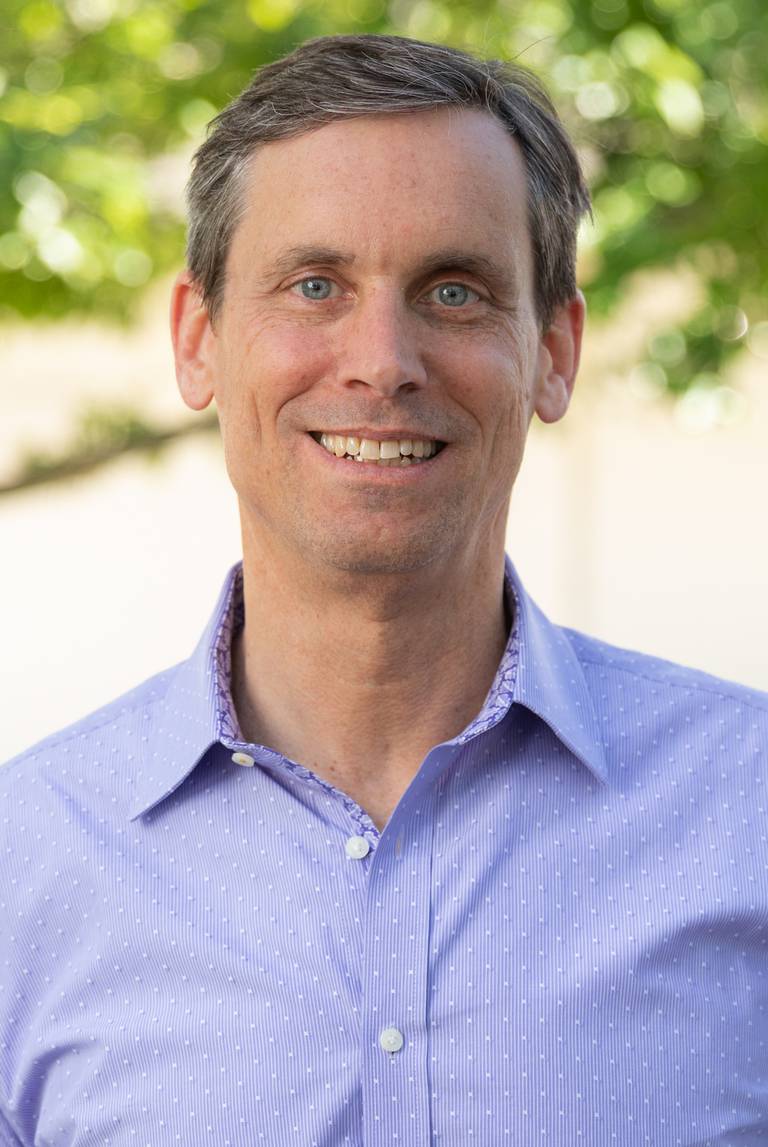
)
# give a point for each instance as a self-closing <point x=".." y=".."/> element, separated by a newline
<point x="666" y="99"/>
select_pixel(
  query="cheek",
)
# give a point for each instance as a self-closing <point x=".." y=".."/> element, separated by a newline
<point x="265" y="368"/>
<point x="289" y="352"/>
<point x="499" y="394"/>
<point x="503" y="412"/>
<point x="510" y="431"/>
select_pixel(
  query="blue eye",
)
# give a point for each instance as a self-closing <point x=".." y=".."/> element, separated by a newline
<point x="315" y="288"/>
<point x="455" y="294"/>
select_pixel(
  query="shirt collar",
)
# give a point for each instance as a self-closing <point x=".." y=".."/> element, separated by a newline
<point x="197" y="709"/>
<point x="550" y="681"/>
<point x="539" y="670"/>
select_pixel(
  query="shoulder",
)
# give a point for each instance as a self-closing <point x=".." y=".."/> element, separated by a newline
<point x="76" y="753"/>
<point x="67" y="845"/>
<point x="679" y="737"/>
<point x="615" y="674"/>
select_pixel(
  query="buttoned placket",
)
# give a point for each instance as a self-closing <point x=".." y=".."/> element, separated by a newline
<point x="395" y="1051"/>
<point x="395" y="870"/>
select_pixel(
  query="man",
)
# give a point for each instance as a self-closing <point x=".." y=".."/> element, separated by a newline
<point x="391" y="858"/>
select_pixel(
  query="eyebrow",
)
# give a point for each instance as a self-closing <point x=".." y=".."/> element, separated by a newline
<point x="294" y="257"/>
<point x="500" y="276"/>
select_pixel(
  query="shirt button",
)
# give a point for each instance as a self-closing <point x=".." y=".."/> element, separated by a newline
<point x="357" y="847"/>
<point x="391" y="1039"/>
<point x="243" y="759"/>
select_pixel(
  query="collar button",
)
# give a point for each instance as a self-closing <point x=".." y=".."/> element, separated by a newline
<point x="243" y="759"/>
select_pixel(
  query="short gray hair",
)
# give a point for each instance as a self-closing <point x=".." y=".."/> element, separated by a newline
<point x="341" y="77"/>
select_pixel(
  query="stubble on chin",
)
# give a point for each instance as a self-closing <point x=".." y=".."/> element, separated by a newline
<point x="374" y="546"/>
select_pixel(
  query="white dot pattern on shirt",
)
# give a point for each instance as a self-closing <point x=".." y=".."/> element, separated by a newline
<point x="571" y="956"/>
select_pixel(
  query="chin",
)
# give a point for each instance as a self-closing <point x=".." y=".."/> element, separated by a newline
<point x="372" y="556"/>
<point x="379" y="564"/>
<point x="378" y="540"/>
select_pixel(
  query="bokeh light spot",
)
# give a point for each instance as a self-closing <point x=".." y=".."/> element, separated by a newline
<point x="671" y="184"/>
<point x="132" y="267"/>
<point x="60" y="250"/>
<point x="272" y="15"/>
<point x="680" y="105"/>
<point x="601" y="100"/>
<point x="44" y="74"/>
<point x="14" y="250"/>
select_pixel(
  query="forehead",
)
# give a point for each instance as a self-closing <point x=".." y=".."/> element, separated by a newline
<point x="390" y="183"/>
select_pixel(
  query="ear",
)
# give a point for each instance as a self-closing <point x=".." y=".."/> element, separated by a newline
<point x="560" y="354"/>
<point x="194" y="343"/>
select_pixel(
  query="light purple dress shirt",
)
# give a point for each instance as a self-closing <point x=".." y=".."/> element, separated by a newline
<point x="558" y="939"/>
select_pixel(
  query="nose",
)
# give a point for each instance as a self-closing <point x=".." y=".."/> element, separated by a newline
<point x="379" y="346"/>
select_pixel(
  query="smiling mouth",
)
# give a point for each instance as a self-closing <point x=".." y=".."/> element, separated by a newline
<point x="383" y="452"/>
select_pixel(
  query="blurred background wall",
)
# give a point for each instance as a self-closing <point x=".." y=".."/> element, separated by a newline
<point x="640" y="518"/>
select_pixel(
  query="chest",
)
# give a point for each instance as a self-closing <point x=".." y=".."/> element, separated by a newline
<point x="250" y="991"/>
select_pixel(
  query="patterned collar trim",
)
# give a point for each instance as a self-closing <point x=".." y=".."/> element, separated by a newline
<point x="538" y="669"/>
<point x="501" y="695"/>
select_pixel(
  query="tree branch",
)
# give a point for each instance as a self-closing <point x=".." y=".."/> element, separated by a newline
<point x="103" y="436"/>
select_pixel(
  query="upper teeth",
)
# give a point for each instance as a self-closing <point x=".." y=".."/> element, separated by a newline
<point x="374" y="450"/>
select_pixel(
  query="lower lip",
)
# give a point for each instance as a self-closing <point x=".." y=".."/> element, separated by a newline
<point x="371" y="471"/>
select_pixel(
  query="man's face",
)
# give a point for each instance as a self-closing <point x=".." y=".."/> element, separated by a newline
<point x="380" y="287"/>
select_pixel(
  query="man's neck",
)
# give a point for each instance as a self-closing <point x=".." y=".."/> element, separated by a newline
<point x="357" y="680"/>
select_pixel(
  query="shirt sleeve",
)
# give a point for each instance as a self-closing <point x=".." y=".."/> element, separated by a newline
<point x="7" y="1137"/>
